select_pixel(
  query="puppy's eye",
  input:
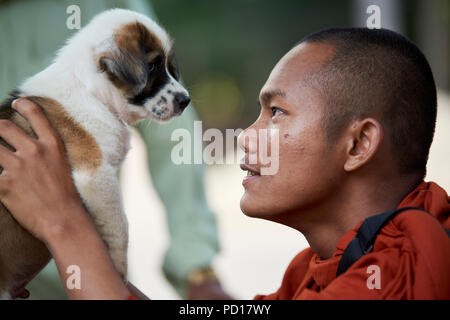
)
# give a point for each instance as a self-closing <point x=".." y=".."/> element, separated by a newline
<point x="151" y="67"/>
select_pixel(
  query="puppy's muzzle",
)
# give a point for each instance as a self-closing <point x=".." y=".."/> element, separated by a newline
<point x="180" y="102"/>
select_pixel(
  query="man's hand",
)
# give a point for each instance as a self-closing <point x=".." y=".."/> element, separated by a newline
<point x="36" y="178"/>
<point x="36" y="186"/>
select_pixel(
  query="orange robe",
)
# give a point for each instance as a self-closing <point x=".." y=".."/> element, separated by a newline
<point x="412" y="252"/>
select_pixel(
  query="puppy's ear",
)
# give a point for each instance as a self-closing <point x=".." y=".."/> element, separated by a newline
<point x="126" y="69"/>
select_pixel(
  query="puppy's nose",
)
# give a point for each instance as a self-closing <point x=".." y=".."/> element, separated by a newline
<point x="182" y="100"/>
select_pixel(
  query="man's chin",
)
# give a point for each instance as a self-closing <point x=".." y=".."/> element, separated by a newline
<point x="246" y="207"/>
<point x="254" y="209"/>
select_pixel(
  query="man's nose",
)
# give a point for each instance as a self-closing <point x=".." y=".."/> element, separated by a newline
<point x="248" y="140"/>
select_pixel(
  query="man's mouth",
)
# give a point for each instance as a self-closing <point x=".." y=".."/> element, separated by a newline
<point x="252" y="173"/>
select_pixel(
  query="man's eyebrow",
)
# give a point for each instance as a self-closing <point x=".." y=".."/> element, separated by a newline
<point x="268" y="95"/>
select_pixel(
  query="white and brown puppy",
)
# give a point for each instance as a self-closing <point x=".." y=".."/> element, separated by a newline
<point x="117" y="70"/>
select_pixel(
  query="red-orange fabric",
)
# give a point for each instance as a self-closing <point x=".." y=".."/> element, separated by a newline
<point x="412" y="251"/>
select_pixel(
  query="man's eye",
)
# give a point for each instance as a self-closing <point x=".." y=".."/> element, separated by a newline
<point x="276" y="111"/>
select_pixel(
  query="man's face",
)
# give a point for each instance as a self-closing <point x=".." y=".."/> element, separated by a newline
<point x="308" y="168"/>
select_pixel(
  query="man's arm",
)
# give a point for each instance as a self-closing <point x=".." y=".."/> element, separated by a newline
<point x="192" y="224"/>
<point x="36" y="186"/>
<point x="68" y="246"/>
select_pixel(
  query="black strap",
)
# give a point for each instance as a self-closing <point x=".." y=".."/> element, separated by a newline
<point x="363" y="242"/>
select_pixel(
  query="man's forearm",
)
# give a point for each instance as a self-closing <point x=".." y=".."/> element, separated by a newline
<point x="37" y="187"/>
<point x="78" y="247"/>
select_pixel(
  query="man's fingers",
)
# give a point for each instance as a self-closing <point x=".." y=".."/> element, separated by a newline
<point x="13" y="135"/>
<point x="6" y="156"/>
<point x="36" y="117"/>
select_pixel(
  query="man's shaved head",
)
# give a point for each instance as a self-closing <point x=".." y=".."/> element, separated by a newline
<point x="382" y="74"/>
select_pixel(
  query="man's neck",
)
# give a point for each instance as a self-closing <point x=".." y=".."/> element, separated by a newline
<point x="351" y="204"/>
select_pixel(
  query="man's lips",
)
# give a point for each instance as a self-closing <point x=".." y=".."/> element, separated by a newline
<point x="252" y="173"/>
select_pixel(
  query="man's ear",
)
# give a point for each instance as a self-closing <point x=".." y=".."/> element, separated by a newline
<point x="363" y="140"/>
<point x="124" y="69"/>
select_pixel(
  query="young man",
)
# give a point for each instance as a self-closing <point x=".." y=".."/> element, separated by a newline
<point x="355" y="110"/>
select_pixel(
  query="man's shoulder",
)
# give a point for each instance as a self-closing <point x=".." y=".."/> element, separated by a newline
<point x="413" y="248"/>
<point x="421" y="229"/>
<point x="416" y="233"/>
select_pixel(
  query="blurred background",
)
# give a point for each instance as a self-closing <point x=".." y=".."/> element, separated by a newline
<point x="226" y="50"/>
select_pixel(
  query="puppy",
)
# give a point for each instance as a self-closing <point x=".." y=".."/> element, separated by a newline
<point x="117" y="70"/>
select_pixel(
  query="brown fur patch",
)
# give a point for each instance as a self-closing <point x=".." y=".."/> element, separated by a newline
<point x="82" y="149"/>
<point x="127" y="65"/>
<point x="137" y="39"/>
